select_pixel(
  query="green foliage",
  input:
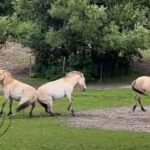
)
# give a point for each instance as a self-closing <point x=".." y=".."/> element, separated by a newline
<point x="128" y="40"/>
<point x="4" y="29"/>
<point x="81" y="22"/>
<point x="55" y="38"/>
<point x="89" y="34"/>
<point x="6" y="8"/>
<point x="109" y="33"/>
<point x="28" y="33"/>
<point x="127" y="15"/>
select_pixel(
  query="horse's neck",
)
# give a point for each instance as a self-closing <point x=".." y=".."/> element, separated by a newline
<point x="73" y="80"/>
<point x="7" y="80"/>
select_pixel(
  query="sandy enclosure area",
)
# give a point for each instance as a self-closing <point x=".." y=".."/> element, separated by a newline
<point x="116" y="118"/>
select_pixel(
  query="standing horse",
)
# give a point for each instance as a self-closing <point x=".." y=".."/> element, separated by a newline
<point x="60" y="88"/>
<point x="141" y="85"/>
<point x="16" y="90"/>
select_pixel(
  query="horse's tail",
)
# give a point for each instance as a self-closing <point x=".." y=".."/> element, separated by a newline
<point x="23" y="106"/>
<point x="137" y="90"/>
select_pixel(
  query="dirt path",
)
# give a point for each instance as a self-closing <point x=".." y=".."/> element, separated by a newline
<point x="117" y="118"/>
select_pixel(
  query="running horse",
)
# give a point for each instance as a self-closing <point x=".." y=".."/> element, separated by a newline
<point x="141" y="86"/>
<point x="16" y="90"/>
<point x="60" y="88"/>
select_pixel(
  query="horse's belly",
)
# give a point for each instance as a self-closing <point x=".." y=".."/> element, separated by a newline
<point x="58" y="95"/>
<point x="16" y="96"/>
<point x="55" y="97"/>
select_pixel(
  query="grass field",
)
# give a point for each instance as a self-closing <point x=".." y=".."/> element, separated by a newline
<point x="54" y="133"/>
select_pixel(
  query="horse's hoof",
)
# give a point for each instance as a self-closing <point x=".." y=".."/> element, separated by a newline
<point x="57" y="114"/>
<point x="31" y="116"/>
<point x="143" y="109"/>
<point x="68" y="108"/>
<point x="51" y="114"/>
<point x="73" y="115"/>
<point x="9" y="114"/>
<point x="134" y="107"/>
<point x="72" y="112"/>
<point x="1" y="114"/>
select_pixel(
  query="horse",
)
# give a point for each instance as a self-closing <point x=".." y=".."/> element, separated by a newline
<point x="60" y="88"/>
<point x="141" y="85"/>
<point x="16" y="90"/>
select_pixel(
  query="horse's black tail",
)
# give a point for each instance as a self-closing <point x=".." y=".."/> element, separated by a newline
<point x="136" y="90"/>
<point x="23" y="106"/>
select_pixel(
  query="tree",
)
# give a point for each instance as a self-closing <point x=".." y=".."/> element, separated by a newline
<point x="6" y="9"/>
<point x="111" y="35"/>
<point x="89" y="34"/>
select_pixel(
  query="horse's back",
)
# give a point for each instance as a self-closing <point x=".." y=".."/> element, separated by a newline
<point x="54" y="89"/>
<point x="23" y="86"/>
<point x="143" y="79"/>
<point x="20" y="90"/>
<point x="143" y="83"/>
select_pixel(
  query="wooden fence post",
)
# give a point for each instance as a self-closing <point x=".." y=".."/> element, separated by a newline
<point x="101" y="72"/>
<point x="30" y="65"/>
<point x="64" y="64"/>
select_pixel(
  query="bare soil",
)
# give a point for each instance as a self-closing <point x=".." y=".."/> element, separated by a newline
<point x="15" y="58"/>
<point x="116" y="118"/>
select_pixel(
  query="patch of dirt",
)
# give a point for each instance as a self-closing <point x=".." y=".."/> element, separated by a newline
<point x="116" y="118"/>
<point x="15" y="58"/>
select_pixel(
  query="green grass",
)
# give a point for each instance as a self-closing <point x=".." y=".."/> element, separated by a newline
<point x="54" y="133"/>
<point x="35" y="81"/>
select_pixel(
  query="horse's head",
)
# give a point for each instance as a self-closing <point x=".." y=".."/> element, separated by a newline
<point x="79" y="77"/>
<point x="2" y="74"/>
<point x="82" y="84"/>
<point x="5" y="75"/>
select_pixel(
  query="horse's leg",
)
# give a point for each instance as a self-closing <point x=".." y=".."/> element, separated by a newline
<point x="134" y="107"/>
<point x="10" y="106"/>
<point x="2" y="109"/>
<point x="3" y="106"/>
<point x="70" y="108"/>
<point x="32" y="107"/>
<point x="22" y="105"/>
<point x="47" y="104"/>
<point x="139" y="100"/>
<point x="50" y="108"/>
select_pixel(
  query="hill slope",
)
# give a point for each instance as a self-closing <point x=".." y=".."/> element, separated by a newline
<point x="15" y="58"/>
